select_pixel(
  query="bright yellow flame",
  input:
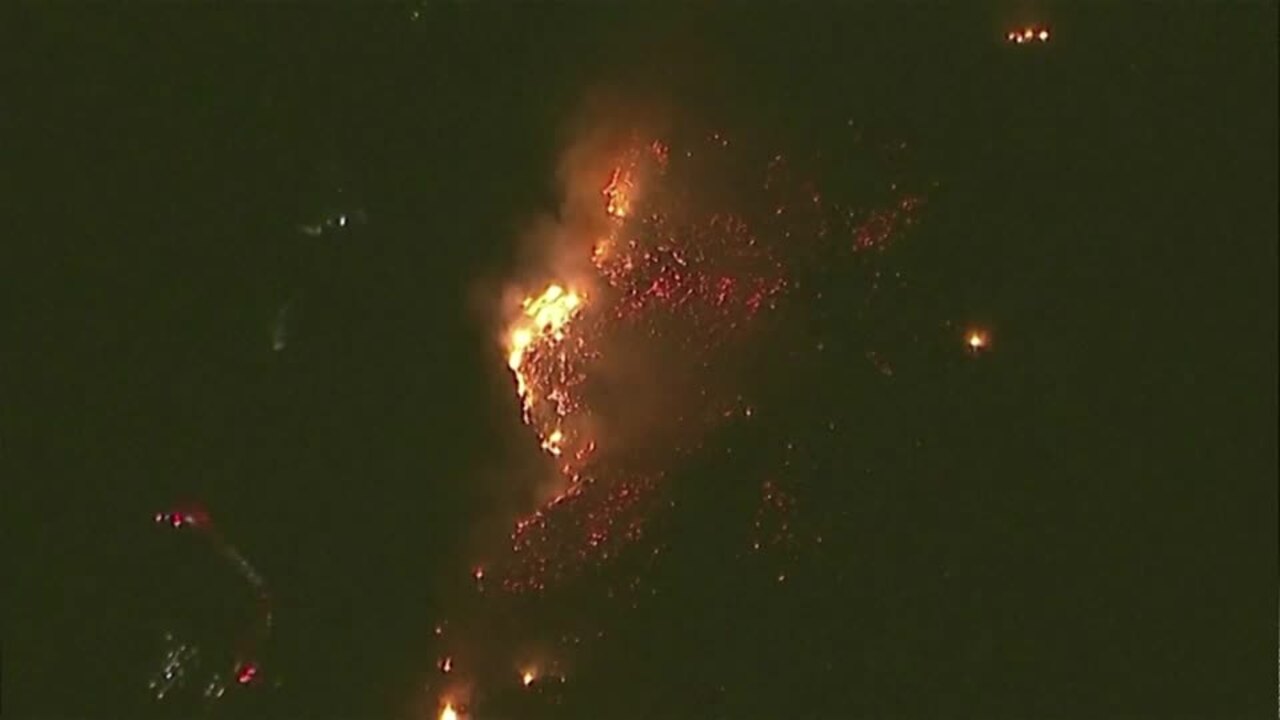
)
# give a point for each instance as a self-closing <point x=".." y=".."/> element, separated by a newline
<point x="543" y="317"/>
<point x="546" y="314"/>
<point x="977" y="340"/>
<point x="520" y="339"/>
<point x="552" y="443"/>
<point x="448" y="713"/>
<point x="1044" y="35"/>
<point x="527" y="678"/>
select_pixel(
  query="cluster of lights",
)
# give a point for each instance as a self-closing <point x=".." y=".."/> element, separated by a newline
<point x="244" y="672"/>
<point x="176" y="519"/>
<point x="1028" y="35"/>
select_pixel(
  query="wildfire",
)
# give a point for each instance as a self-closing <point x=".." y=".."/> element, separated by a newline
<point x="617" y="194"/>
<point x="552" y="443"/>
<point x="599" y="251"/>
<point x="675" y="279"/>
<point x="543" y="321"/>
<point x="686" y="278"/>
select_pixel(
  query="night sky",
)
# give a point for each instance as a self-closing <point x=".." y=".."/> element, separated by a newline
<point x="271" y="246"/>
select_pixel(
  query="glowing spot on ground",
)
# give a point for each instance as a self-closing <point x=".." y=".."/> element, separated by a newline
<point x="617" y="195"/>
<point x="977" y="340"/>
<point x="552" y="443"/>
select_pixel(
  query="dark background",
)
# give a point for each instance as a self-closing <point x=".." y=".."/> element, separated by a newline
<point x="1082" y="523"/>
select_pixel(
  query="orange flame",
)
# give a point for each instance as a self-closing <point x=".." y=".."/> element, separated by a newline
<point x="616" y="193"/>
<point x="544" y="318"/>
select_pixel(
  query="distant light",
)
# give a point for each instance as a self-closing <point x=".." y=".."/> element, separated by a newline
<point x="446" y="665"/>
<point x="527" y="678"/>
<point x="1028" y="34"/>
<point x="247" y="673"/>
<point x="977" y="340"/>
<point x="448" y="713"/>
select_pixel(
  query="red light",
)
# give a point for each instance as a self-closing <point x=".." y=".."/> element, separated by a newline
<point x="246" y="675"/>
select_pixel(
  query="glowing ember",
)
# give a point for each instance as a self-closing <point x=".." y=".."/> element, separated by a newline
<point x="527" y="678"/>
<point x="617" y="194"/>
<point x="977" y="340"/>
<point x="552" y="443"/>
<point x="448" y="713"/>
